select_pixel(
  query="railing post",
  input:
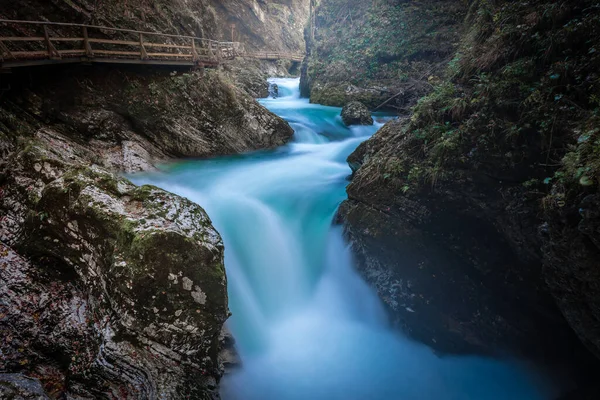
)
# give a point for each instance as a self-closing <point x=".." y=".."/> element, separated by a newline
<point x="52" y="52"/>
<point x="194" y="53"/>
<point x="86" y="43"/>
<point x="211" y="55"/>
<point x="143" y="54"/>
<point x="4" y="51"/>
<point x="219" y="52"/>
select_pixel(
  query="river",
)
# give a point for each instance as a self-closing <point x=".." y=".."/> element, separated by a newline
<point x="307" y="327"/>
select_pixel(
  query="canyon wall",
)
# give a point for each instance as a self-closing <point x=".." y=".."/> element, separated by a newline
<point x="474" y="214"/>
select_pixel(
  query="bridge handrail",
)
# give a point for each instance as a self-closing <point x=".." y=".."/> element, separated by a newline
<point x="109" y="28"/>
<point x="209" y="51"/>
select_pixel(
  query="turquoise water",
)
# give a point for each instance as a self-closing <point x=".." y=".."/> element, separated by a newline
<point x="307" y="327"/>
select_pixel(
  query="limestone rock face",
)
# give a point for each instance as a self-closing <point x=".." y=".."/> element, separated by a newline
<point x="571" y="248"/>
<point x="356" y="113"/>
<point x="458" y="265"/>
<point x="19" y="387"/>
<point x="131" y="121"/>
<point x="108" y="290"/>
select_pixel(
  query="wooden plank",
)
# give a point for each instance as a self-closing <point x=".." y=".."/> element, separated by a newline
<point x="26" y="54"/>
<point x="116" y="42"/>
<point x="132" y="43"/>
<point x="167" y="46"/>
<point x="75" y="60"/>
<point x="137" y="54"/>
<point x="66" y="52"/>
<point x="60" y="39"/>
<point x="118" y="53"/>
<point x="107" y="28"/>
<point x="170" y="55"/>
<point x="21" y="39"/>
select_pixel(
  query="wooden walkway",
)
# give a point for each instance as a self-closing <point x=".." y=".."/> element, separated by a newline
<point x="46" y="43"/>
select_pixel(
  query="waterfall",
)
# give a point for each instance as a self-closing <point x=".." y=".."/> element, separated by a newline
<point x="306" y="325"/>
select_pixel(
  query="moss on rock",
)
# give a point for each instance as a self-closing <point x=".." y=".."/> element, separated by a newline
<point x="149" y="263"/>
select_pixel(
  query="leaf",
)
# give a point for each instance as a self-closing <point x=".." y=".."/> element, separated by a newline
<point x="586" y="181"/>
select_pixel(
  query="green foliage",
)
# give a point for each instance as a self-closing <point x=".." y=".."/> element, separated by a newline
<point x="361" y="41"/>
<point x="523" y="90"/>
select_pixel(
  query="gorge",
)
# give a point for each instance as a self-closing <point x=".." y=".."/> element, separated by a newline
<point x="173" y="233"/>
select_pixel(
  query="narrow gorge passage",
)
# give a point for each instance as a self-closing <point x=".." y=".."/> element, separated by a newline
<point x="306" y="325"/>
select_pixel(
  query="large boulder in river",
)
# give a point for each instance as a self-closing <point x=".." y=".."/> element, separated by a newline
<point x="356" y="113"/>
<point x="107" y="290"/>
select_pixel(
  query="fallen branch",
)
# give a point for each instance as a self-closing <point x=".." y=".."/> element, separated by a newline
<point x="388" y="100"/>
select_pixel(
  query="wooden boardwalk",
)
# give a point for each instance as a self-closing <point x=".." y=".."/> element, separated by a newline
<point x="58" y="43"/>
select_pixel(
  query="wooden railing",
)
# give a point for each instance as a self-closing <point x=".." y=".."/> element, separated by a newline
<point x="55" y="42"/>
<point x="265" y="55"/>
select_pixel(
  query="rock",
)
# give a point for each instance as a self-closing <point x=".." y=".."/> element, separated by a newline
<point x="591" y="392"/>
<point x="154" y="118"/>
<point x="356" y="113"/>
<point x="20" y="387"/>
<point x="119" y="284"/>
<point x="571" y="248"/>
<point x="229" y="358"/>
<point x="457" y="265"/>
<point x="274" y="90"/>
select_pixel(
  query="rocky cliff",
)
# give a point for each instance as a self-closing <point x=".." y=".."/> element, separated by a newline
<point x="475" y="216"/>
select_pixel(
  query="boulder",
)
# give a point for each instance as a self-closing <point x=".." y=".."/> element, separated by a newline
<point x="356" y="113"/>
<point x="20" y="387"/>
<point x="111" y="290"/>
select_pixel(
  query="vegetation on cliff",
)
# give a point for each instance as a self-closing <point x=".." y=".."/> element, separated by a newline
<point x="370" y="51"/>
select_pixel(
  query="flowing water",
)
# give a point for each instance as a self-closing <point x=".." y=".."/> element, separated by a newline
<point x="307" y="327"/>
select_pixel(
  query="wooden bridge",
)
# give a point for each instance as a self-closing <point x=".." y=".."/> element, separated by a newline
<point x="44" y="43"/>
<point x="273" y="56"/>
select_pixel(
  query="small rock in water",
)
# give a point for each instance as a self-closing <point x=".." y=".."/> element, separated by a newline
<point x="356" y="113"/>
<point x="274" y="90"/>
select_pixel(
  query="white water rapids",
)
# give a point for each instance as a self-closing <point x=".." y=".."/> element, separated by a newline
<point x="307" y="326"/>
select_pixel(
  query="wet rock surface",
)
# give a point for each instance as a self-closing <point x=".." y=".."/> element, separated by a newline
<point x="108" y="290"/>
<point x="20" y="387"/>
<point x="356" y="113"/>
